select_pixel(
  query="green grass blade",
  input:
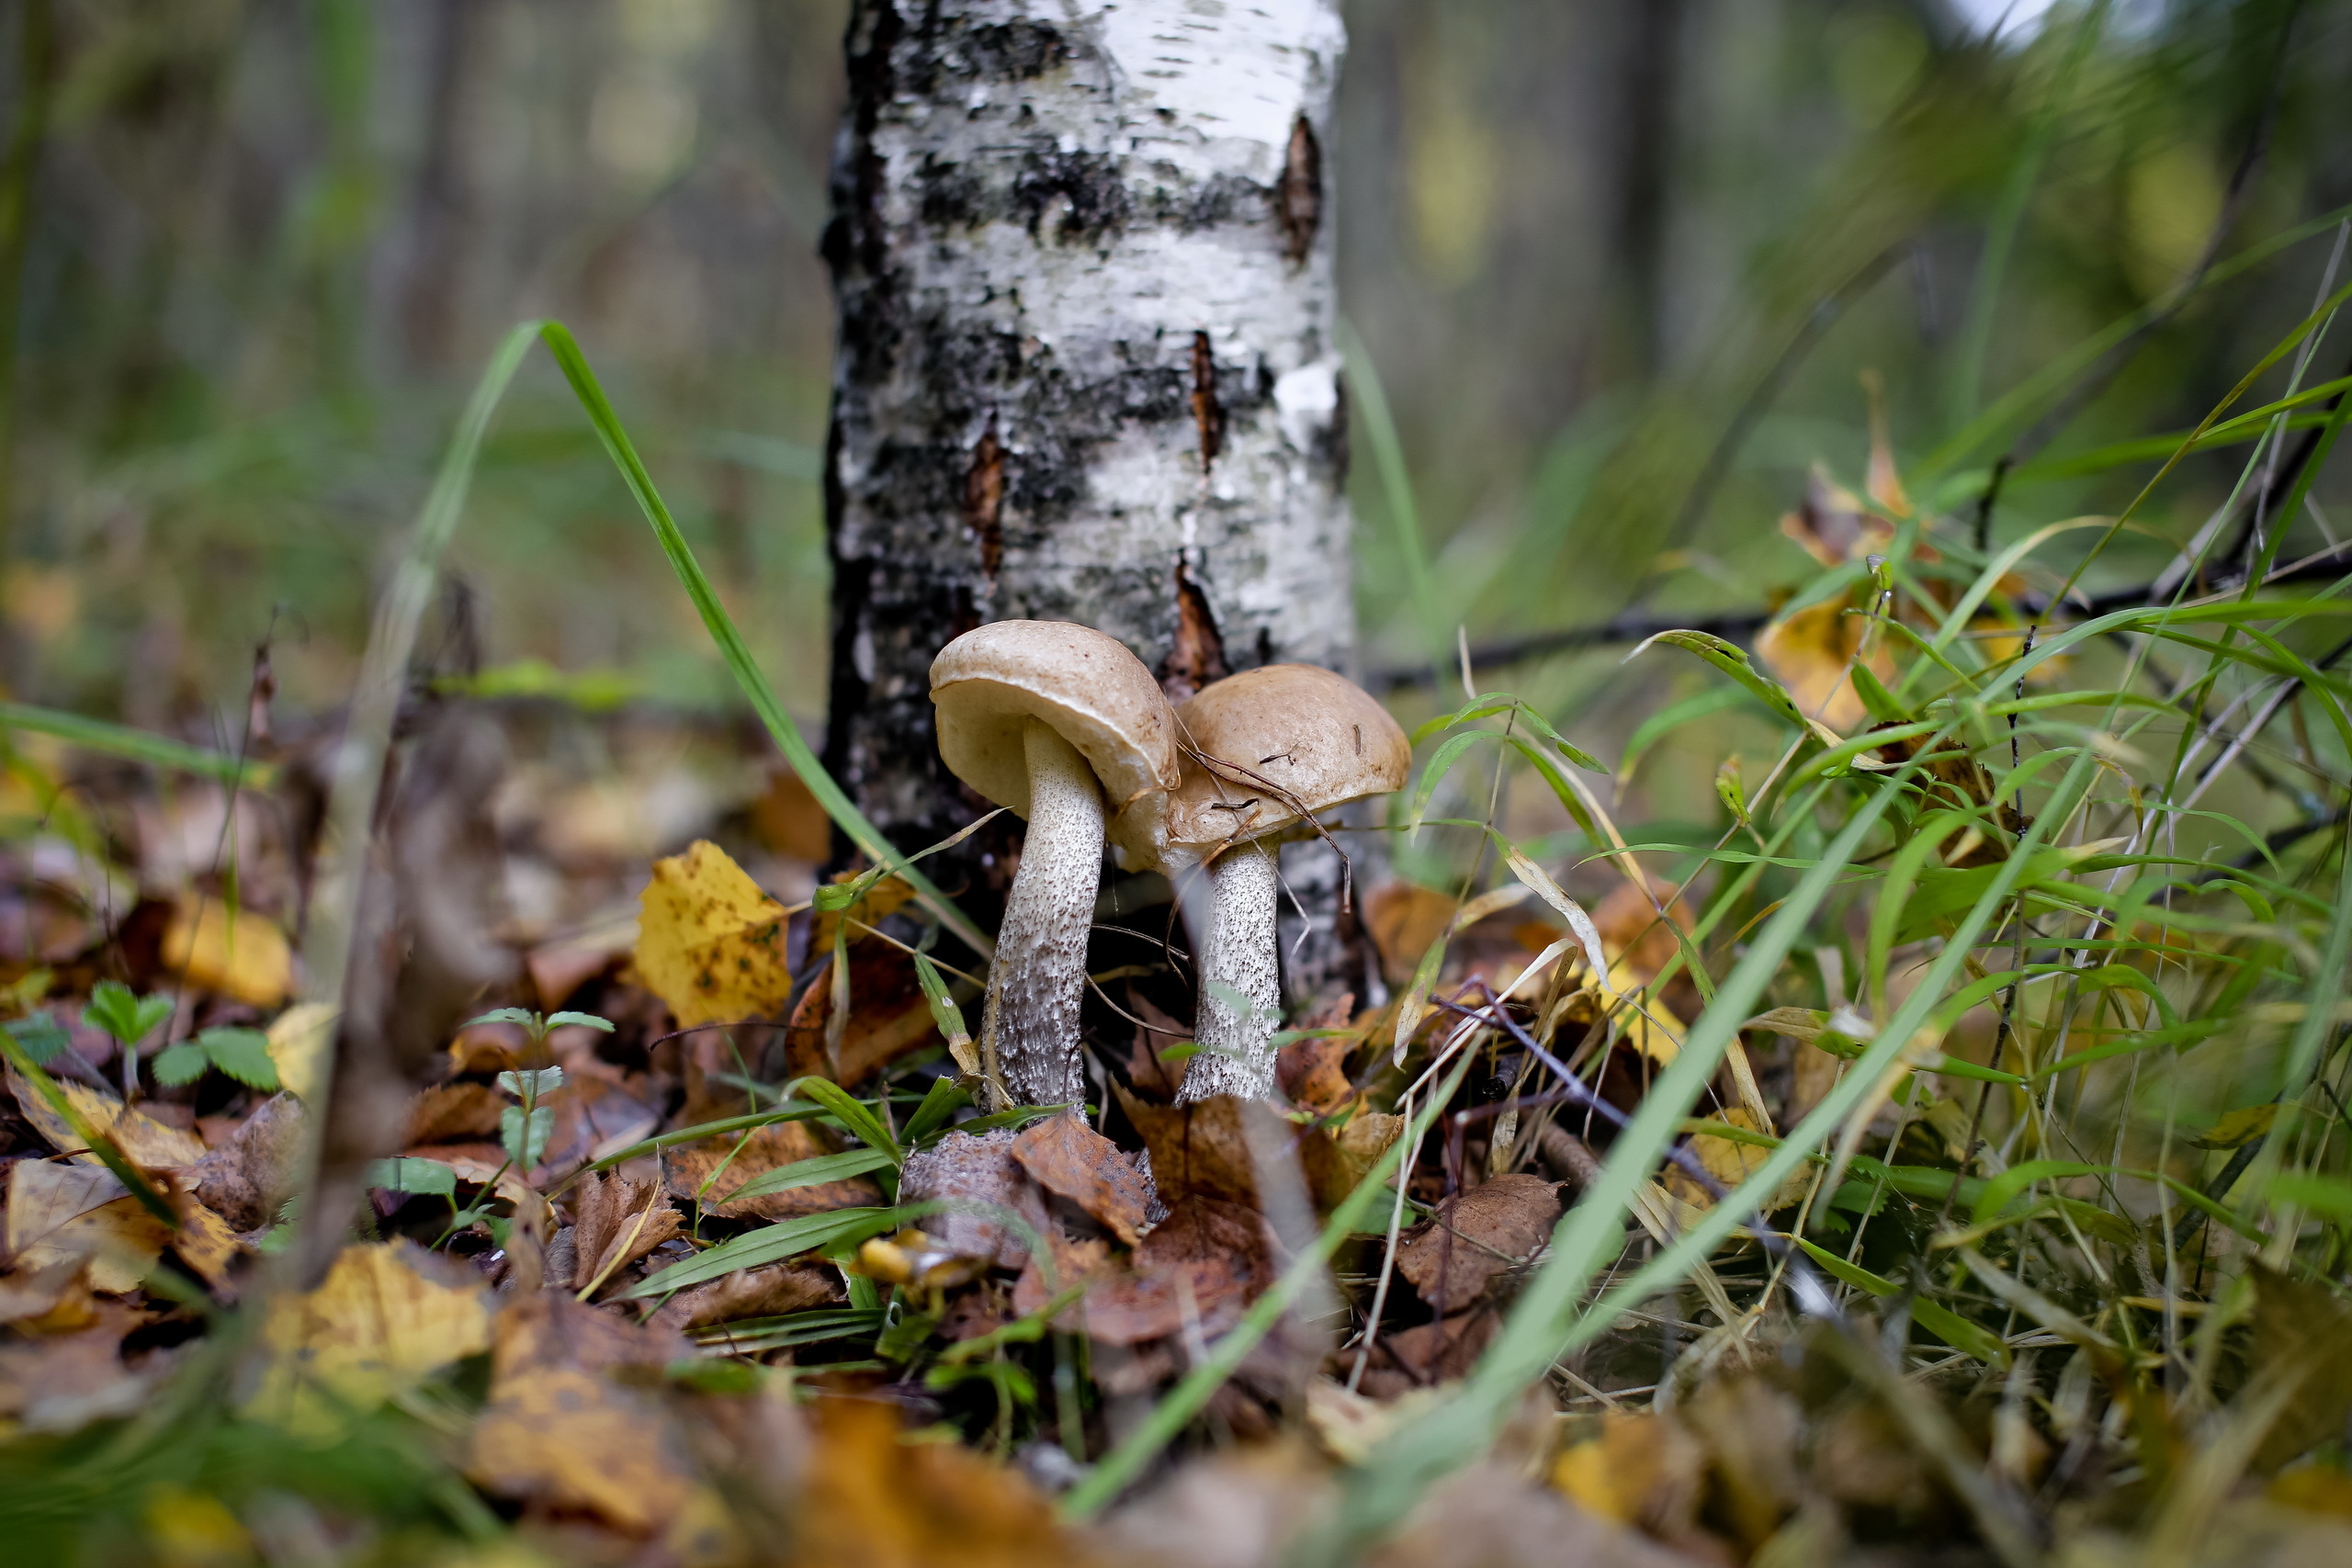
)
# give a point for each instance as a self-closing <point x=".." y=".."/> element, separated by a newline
<point x="158" y="751"/>
<point x="1397" y="490"/>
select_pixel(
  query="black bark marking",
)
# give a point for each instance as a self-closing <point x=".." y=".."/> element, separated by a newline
<point x="1298" y="199"/>
<point x="1196" y="656"/>
<point x="1208" y="414"/>
<point x="1082" y="192"/>
<point x="984" y="500"/>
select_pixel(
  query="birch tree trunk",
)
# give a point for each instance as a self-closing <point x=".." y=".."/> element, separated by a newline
<point x="1086" y="367"/>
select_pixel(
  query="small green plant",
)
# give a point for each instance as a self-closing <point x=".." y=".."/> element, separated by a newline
<point x="128" y="1020"/>
<point x="40" y="1035"/>
<point x="242" y="1054"/>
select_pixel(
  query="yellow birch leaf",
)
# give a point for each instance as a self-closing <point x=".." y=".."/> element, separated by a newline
<point x="233" y="951"/>
<point x="147" y="1143"/>
<point x="2240" y="1126"/>
<point x="299" y="1041"/>
<point x="1808" y="653"/>
<point x="377" y="1325"/>
<point x="708" y="941"/>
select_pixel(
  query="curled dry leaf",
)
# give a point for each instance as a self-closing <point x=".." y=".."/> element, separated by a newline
<point x="384" y="1319"/>
<point x="709" y="942"/>
<point x="147" y="1143"/>
<point x="1197" y="1151"/>
<point x="232" y="952"/>
<point x="1487" y="1230"/>
<point x="245" y="1180"/>
<point x="1313" y="1074"/>
<point x="979" y="1170"/>
<point x="736" y="1158"/>
<point x="1194" y="1273"/>
<point x="562" y="1430"/>
<point x="1071" y="1160"/>
<point x="618" y="1222"/>
<point x="1334" y="1159"/>
<point x="63" y="1213"/>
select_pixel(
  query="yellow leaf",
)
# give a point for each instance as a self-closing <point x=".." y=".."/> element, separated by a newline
<point x="1730" y="1163"/>
<point x="2240" y="1126"/>
<point x="299" y="1041"/>
<point x="1807" y="652"/>
<point x="1642" y="1470"/>
<point x="62" y="1211"/>
<point x="148" y="1142"/>
<point x="233" y="951"/>
<point x="376" y="1327"/>
<point x="1650" y="1025"/>
<point x="708" y="941"/>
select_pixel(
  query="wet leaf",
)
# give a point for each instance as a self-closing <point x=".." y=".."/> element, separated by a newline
<point x="709" y="943"/>
<point x="1195" y="1272"/>
<point x="386" y="1317"/>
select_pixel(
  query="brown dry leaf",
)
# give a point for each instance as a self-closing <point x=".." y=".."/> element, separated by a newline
<point x="384" y="1319"/>
<point x="619" y="1222"/>
<point x="1197" y="1151"/>
<point x="62" y="1212"/>
<point x="63" y="1383"/>
<point x="244" y="1180"/>
<point x="888" y="1017"/>
<point x="875" y="1502"/>
<point x="979" y="1169"/>
<point x="1313" y="1073"/>
<point x="1430" y="1353"/>
<point x="709" y="942"/>
<point x="1831" y="524"/>
<point x="204" y="1241"/>
<point x="452" y="1113"/>
<point x="54" y="1300"/>
<point x="787" y="819"/>
<point x="1643" y="1468"/>
<point x="559" y="1430"/>
<point x="233" y="951"/>
<point x="1730" y="1163"/>
<point x="1753" y="1432"/>
<point x="1335" y="1158"/>
<point x="1157" y="1031"/>
<point x="1403" y="918"/>
<point x="751" y="1292"/>
<point x="1199" y="1267"/>
<point x="1637" y="940"/>
<point x="1071" y="1160"/>
<point x="147" y="1143"/>
<point x="1512" y="1215"/>
<point x="1807" y="652"/>
<point x="2301" y="1326"/>
<point x="594" y="1116"/>
<point x="772" y="1147"/>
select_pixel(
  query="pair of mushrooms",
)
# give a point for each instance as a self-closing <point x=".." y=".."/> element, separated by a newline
<point x="1065" y="726"/>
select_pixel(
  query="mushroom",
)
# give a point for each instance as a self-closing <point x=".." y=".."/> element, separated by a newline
<point x="1266" y="750"/>
<point x="1065" y="726"/>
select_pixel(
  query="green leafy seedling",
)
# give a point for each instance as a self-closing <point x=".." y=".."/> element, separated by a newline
<point x="41" y="1037"/>
<point x="242" y="1054"/>
<point x="538" y="1025"/>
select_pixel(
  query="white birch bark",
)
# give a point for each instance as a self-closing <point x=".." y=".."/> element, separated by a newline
<point x="1087" y="368"/>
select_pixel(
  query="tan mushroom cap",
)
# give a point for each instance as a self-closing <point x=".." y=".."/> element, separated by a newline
<point x="1099" y="697"/>
<point x="1295" y="740"/>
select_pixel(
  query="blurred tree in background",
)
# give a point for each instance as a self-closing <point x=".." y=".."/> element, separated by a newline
<point x="259" y="247"/>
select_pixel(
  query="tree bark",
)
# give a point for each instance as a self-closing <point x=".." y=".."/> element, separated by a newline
<point x="1086" y="367"/>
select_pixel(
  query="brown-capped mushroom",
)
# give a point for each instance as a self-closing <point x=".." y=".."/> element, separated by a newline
<point x="1065" y="726"/>
<point x="1264" y="751"/>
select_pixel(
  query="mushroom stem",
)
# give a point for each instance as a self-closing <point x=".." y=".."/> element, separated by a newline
<point x="1039" y="975"/>
<point x="1241" y="990"/>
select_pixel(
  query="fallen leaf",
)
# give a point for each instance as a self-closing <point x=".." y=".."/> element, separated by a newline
<point x="453" y="1112"/>
<point x="771" y="1291"/>
<point x="147" y="1143"/>
<point x="875" y="1501"/>
<point x="1429" y="1353"/>
<point x="1832" y="525"/>
<point x="1730" y="1163"/>
<point x="1313" y="1073"/>
<point x="1071" y="1160"/>
<point x="386" y="1317"/>
<point x="787" y="819"/>
<point x="1334" y="1159"/>
<point x="233" y="951"/>
<point x="1403" y="918"/>
<point x="1350" y="1425"/>
<point x="300" y="1042"/>
<point x="1808" y="652"/>
<point x="204" y="1241"/>
<point x="618" y="1222"/>
<point x="888" y="1017"/>
<point x="1492" y="1228"/>
<point x="561" y="1431"/>
<point x="1642" y="1469"/>
<point x="1753" y="1432"/>
<point x="60" y="1212"/>
<point x="687" y="1167"/>
<point x="52" y="1300"/>
<point x="2240" y="1126"/>
<point x="63" y="1383"/>
<point x="1155" y="1032"/>
<point x="1197" y="1151"/>
<point x="245" y="1180"/>
<point x="979" y="1170"/>
<point x="1638" y="940"/>
<point x="709" y="943"/>
<point x="1488" y="1515"/>
<point x="1194" y="1273"/>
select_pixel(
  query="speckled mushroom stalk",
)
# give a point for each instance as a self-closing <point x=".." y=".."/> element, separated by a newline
<point x="1039" y="978"/>
<point x="1064" y="725"/>
<point x="1240" y="995"/>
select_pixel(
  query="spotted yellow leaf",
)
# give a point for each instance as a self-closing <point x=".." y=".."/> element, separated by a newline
<point x="708" y="941"/>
